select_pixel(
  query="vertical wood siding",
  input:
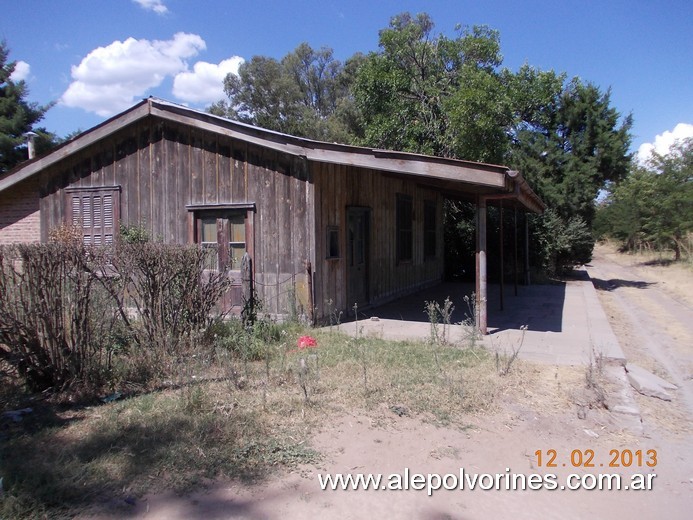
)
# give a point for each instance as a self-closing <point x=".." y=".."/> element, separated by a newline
<point x="162" y="167"/>
<point x="337" y="187"/>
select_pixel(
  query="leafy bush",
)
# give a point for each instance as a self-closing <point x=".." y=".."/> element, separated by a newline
<point x="562" y="244"/>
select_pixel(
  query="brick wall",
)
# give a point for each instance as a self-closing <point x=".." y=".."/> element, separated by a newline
<point x="19" y="214"/>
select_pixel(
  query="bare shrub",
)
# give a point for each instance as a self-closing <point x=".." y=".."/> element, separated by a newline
<point x="74" y="313"/>
<point x="55" y="319"/>
<point x="166" y="295"/>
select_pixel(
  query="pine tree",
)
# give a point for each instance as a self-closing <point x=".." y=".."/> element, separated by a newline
<point x="17" y="116"/>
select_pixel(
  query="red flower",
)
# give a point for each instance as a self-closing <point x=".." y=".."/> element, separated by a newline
<point x="306" y="342"/>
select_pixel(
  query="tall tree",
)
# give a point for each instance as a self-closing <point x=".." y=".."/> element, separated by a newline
<point x="427" y="93"/>
<point x="573" y="149"/>
<point x="307" y="94"/>
<point x="17" y="116"/>
<point x="653" y="205"/>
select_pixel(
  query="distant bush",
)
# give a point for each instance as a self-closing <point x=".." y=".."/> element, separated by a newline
<point x="562" y="244"/>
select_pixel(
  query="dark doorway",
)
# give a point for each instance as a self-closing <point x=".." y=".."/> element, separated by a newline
<point x="358" y="232"/>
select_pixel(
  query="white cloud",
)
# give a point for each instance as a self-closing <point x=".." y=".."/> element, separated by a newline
<point x="21" y="71"/>
<point x="663" y="142"/>
<point x="110" y="78"/>
<point x="205" y="83"/>
<point x="153" y="5"/>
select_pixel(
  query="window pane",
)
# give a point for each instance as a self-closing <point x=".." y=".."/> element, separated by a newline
<point x="236" y="253"/>
<point x="333" y="242"/>
<point x="237" y="227"/>
<point x="209" y="230"/>
<point x="212" y="256"/>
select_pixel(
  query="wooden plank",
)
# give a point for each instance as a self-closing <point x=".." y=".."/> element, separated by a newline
<point x="299" y="229"/>
<point x="196" y="168"/>
<point x="172" y="200"/>
<point x="239" y="178"/>
<point x="340" y="203"/>
<point x="183" y="185"/>
<point x="225" y="172"/>
<point x="128" y="175"/>
<point x="159" y="180"/>
<point x="288" y="252"/>
<point x="211" y="171"/>
<point x="97" y="174"/>
<point x="147" y="182"/>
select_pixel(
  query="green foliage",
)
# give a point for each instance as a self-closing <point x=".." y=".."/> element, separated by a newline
<point x="654" y="204"/>
<point x="561" y="244"/>
<point x="249" y="343"/>
<point x="305" y="94"/>
<point x="428" y="93"/>
<point x="431" y="94"/>
<point x="572" y="148"/>
<point x="134" y="234"/>
<point x="17" y="117"/>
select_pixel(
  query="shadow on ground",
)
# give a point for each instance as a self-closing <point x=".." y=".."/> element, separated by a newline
<point x="540" y="307"/>
<point x="616" y="283"/>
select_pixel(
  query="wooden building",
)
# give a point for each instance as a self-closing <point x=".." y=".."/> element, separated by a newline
<point x="368" y="221"/>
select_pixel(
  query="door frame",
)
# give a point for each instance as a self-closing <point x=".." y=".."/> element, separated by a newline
<point x="366" y="212"/>
<point x="222" y="212"/>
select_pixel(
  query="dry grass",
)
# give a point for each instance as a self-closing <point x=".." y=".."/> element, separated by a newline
<point x="235" y="419"/>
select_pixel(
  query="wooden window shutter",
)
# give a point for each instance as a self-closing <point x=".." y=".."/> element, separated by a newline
<point x="96" y="212"/>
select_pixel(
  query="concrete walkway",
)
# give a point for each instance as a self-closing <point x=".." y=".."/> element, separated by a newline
<point x="566" y="324"/>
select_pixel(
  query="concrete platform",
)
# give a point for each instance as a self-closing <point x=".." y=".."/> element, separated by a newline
<point x="566" y="324"/>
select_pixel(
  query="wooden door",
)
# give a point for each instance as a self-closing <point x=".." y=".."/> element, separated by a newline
<point x="358" y="231"/>
<point x="227" y="235"/>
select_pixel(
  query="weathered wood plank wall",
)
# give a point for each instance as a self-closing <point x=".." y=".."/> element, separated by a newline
<point x="161" y="167"/>
<point x="337" y="187"/>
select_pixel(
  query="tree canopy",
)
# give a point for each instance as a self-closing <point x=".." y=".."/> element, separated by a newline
<point x="653" y="205"/>
<point x="17" y="116"/>
<point x="429" y="93"/>
<point x="306" y="93"/>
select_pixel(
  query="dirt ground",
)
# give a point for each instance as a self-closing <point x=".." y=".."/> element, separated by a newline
<point x="650" y="309"/>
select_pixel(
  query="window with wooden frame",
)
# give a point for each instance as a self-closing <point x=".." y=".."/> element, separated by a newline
<point x="96" y="211"/>
<point x="404" y="228"/>
<point x="224" y="234"/>
<point x="430" y="232"/>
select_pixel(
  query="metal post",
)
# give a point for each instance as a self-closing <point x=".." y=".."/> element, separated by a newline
<point x="502" y="259"/>
<point x="481" y="273"/>
<point x="515" y="250"/>
<point x="527" y="278"/>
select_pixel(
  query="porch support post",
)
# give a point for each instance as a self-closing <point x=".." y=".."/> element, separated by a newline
<point x="481" y="273"/>
<point x="515" y="250"/>
<point x="502" y="260"/>
<point x="527" y="277"/>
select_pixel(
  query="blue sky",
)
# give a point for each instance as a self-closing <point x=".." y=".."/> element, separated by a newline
<point x="96" y="58"/>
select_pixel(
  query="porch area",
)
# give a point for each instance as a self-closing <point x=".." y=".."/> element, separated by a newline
<point x="566" y="324"/>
